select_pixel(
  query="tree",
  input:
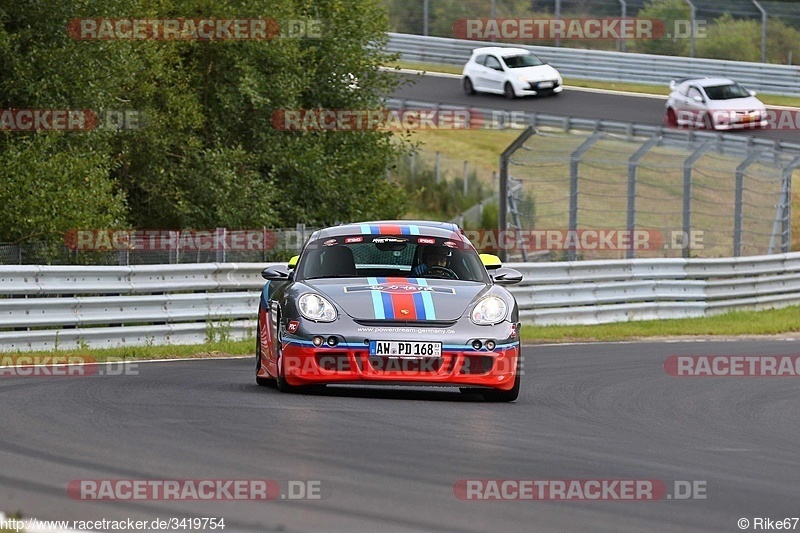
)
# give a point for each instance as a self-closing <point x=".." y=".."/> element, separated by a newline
<point x="206" y="153"/>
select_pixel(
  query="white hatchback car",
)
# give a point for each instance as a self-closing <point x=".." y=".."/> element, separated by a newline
<point x="714" y="103"/>
<point x="509" y="71"/>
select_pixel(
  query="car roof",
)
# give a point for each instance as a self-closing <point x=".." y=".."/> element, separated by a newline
<point x="428" y="228"/>
<point x="707" y="82"/>
<point x="502" y="51"/>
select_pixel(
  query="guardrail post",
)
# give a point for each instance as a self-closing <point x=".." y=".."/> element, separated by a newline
<point x="574" y="161"/>
<point x="633" y="164"/>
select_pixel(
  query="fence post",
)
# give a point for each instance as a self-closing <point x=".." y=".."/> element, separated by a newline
<point x="413" y="160"/>
<point x="574" y="161"/>
<point x="504" y="162"/>
<point x="688" y="164"/>
<point x="623" y="14"/>
<point x="693" y="13"/>
<point x="438" y="167"/>
<point x="633" y="164"/>
<point x="466" y="184"/>
<point x="738" y="216"/>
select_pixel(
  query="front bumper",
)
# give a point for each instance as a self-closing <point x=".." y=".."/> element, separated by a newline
<point x="306" y="364"/>
<point x="533" y="88"/>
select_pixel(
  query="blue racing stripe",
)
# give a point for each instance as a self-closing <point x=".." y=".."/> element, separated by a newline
<point x="419" y="305"/>
<point x="377" y="304"/>
<point x="388" y="308"/>
<point x="427" y="300"/>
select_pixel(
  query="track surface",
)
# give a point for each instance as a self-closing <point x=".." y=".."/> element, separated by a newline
<point x="389" y="458"/>
<point x="574" y="103"/>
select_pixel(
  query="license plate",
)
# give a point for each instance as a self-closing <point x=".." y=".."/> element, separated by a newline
<point x="747" y="118"/>
<point x="405" y="349"/>
<point x="546" y="85"/>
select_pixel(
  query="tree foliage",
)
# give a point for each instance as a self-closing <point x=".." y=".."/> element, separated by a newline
<point x="206" y="153"/>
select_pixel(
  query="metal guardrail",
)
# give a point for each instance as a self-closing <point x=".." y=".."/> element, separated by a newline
<point x="609" y="66"/>
<point x="96" y="306"/>
<point x="47" y="308"/>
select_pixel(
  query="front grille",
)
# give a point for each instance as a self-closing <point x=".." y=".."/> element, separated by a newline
<point x="477" y="365"/>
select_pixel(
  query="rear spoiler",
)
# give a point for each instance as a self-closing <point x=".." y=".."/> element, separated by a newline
<point x="674" y="83"/>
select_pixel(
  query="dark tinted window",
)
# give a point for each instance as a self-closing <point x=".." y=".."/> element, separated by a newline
<point x="726" y="92"/>
<point x="524" y="60"/>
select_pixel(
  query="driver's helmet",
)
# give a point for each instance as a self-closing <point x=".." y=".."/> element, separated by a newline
<point x="436" y="256"/>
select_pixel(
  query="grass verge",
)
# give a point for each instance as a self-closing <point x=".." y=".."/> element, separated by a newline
<point x="177" y="351"/>
<point x="769" y="99"/>
<point x="737" y="323"/>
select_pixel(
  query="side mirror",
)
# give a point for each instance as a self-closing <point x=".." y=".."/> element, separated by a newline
<point x="293" y="262"/>
<point x="672" y="85"/>
<point x="752" y="93"/>
<point x="697" y="98"/>
<point x="506" y="276"/>
<point x="490" y="261"/>
<point x="275" y="273"/>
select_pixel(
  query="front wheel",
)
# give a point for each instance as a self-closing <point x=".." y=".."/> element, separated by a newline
<point x="497" y="396"/>
<point x="468" y="87"/>
<point x="508" y="91"/>
<point x="263" y="382"/>
<point x="670" y="118"/>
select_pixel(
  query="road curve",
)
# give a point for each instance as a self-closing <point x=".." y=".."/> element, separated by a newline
<point x="389" y="458"/>
<point x="571" y="102"/>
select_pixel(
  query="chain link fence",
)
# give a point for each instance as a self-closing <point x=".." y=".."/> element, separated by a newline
<point x="599" y="195"/>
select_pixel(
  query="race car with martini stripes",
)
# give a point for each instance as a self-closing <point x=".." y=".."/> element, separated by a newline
<point x="390" y="302"/>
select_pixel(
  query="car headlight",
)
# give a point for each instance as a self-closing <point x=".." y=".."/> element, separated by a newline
<point x="315" y="307"/>
<point x="490" y="310"/>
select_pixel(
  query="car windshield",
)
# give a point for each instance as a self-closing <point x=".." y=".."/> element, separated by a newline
<point x="523" y="60"/>
<point x="727" y="92"/>
<point x="390" y="256"/>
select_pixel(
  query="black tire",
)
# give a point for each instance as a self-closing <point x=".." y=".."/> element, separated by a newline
<point x="497" y="396"/>
<point x="468" y="87"/>
<point x="263" y="382"/>
<point x="670" y="118"/>
<point x="508" y="91"/>
<point x="283" y="385"/>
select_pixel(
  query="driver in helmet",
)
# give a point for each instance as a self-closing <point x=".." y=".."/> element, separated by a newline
<point x="432" y="256"/>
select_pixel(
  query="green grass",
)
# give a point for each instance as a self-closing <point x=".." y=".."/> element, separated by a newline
<point x="737" y="323"/>
<point x="769" y="99"/>
<point x="195" y="351"/>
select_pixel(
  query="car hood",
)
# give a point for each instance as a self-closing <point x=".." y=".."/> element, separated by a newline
<point x="412" y="299"/>
<point x="537" y="73"/>
<point x="737" y="104"/>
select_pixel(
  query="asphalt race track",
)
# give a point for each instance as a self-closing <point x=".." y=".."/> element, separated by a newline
<point x="571" y="102"/>
<point x="388" y="459"/>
